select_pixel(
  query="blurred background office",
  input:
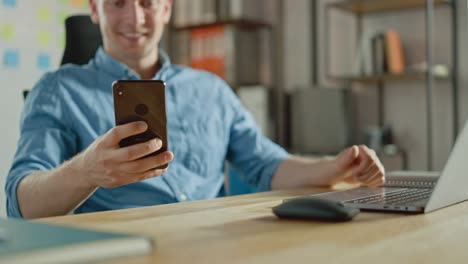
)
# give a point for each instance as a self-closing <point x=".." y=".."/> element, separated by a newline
<point x="318" y="75"/>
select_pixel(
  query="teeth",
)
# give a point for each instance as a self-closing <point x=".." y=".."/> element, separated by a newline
<point x="133" y="35"/>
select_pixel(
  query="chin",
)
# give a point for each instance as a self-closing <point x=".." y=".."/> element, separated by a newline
<point x="138" y="48"/>
<point x="137" y="54"/>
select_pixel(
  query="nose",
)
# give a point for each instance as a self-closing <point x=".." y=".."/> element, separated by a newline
<point x="136" y="13"/>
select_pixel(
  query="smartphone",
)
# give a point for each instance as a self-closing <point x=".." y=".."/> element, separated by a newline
<point x="142" y="100"/>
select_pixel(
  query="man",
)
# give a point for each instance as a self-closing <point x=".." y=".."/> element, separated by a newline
<point x="69" y="160"/>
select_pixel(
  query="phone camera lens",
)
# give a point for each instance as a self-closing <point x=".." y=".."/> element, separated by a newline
<point x="120" y="93"/>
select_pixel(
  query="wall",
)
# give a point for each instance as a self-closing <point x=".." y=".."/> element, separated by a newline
<point x="31" y="43"/>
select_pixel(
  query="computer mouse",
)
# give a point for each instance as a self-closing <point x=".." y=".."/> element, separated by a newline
<point x="314" y="208"/>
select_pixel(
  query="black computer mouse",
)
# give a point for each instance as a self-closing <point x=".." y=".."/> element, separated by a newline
<point x="313" y="208"/>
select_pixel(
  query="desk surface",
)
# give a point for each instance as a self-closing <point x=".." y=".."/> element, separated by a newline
<point x="242" y="229"/>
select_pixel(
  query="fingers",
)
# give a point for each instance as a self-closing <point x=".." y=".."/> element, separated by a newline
<point x="366" y="159"/>
<point x="136" y="151"/>
<point x="378" y="181"/>
<point x="146" y="164"/>
<point x="369" y="170"/>
<point x="347" y="157"/>
<point x="375" y="180"/>
<point x="369" y="176"/>
<point x="110" y="166"/>
<point x="117" y="180"/>
<point x="364" y="176"/>
<point x="116" y="134"/>
<point x="134" y="171"/>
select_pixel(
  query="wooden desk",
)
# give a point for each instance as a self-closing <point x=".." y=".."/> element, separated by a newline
<point x="242" y="229"/>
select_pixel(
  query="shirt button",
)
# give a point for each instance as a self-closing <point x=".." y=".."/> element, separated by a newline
<point x="183" y="197"/>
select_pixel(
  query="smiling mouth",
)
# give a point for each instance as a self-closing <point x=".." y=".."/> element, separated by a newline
<point x="133" y="35"/>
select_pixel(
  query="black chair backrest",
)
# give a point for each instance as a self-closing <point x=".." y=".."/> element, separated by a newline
<point x="83" y="38"/>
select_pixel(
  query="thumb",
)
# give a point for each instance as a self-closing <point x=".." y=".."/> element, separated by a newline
<point x="346" y="158"/>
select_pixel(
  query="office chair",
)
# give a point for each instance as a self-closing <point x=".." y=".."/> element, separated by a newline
<point x="82" y="39"/>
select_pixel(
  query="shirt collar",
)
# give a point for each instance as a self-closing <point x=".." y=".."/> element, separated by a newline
<point x="121" y="71"/>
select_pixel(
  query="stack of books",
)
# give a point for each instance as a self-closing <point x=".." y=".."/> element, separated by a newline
<point x="211" y="35"/>
<point x="232" y="53"/>
<point x="193" y="12"/>
<point x="381" y="54"/>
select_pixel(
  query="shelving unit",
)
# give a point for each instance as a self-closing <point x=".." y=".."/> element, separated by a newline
<point x="361" y="8"/>
<point x="241" y="23"/>
<point x="389" y="77"/>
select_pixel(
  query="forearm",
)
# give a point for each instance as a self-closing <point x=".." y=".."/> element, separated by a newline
<point x="296" y="172"/>
<point x="55" y="192"/>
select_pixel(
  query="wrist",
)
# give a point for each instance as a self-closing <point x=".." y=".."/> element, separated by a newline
<point x="77" y="168"/>
<point x="319" y="172"/>
<point x="329" y="172"/>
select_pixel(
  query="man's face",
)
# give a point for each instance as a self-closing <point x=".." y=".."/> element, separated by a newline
<point x="131" y="29"/>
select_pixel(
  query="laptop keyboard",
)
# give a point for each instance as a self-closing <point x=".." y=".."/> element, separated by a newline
<point x="403" y="197"/>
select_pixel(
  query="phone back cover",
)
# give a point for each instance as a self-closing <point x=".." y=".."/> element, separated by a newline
<point x="142" y="101"/>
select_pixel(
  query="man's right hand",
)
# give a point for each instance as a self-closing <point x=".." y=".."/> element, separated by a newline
<point x="105" y="164"/>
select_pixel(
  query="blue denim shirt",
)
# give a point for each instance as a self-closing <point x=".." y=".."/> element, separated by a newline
<point x="207" y="125"/>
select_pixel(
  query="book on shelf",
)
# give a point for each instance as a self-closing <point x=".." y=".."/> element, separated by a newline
<point x="258" y="10"/>
<point x="394" y="53"/>
<point x="363" y="61"/>
<point x="265" y="58"/>
<point x="379" y="54"/>
<point x="195" y="12"/>
<point x="189" y="12"/>
<point x="180" y="50"/>
<point x="379" y="63"/>
<point x="32" y="242"/>
<point x="239" y="56"/>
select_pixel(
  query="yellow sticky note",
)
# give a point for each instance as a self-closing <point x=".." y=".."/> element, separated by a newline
<point x="7" y="32"/>
<point x="43" y="38"/>
<point x="44" y="15"/>
<point x="78" y="3"/>
<point x="63" y="2"/>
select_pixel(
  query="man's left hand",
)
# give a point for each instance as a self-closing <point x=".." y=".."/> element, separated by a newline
<point x="359" y="164"/>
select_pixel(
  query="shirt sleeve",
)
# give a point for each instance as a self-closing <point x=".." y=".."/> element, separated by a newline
<point x="46" y="140"/>
<point x="252" y="154"/>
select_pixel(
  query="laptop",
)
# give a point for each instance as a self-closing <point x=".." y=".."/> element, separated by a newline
<point x="416" y="192"/>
